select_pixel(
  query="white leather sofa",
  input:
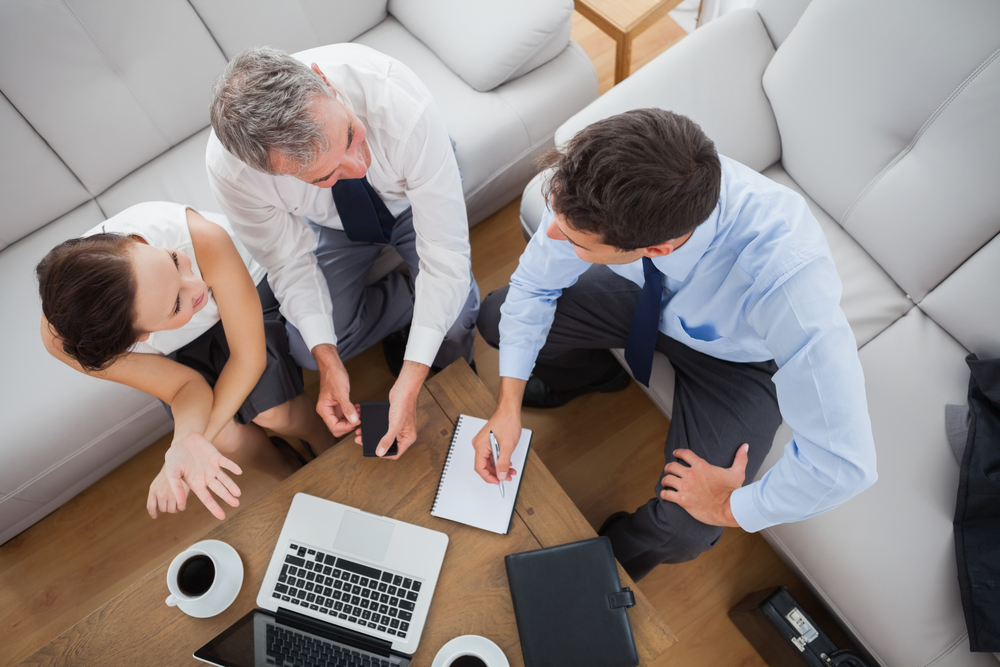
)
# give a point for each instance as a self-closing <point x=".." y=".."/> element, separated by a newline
<point x="885" y="116"/>
<point x="105" y="104"/>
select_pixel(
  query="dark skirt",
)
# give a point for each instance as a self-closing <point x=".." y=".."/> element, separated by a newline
<point x="282" y="378"/>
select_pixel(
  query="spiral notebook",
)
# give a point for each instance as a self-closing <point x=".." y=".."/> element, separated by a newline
<point x="462" y="494"/>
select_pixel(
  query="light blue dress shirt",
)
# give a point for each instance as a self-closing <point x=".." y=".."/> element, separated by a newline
<point x="754" y="282"/>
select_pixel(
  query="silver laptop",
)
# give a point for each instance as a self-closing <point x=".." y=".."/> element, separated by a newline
<point x="339" y="579"/>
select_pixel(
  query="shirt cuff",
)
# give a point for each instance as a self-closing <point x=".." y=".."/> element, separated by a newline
<point x="422" y="345"/>
<point x="517" y="362"/>
<point x="316" y="330"/>
<point x="746" y="512"/>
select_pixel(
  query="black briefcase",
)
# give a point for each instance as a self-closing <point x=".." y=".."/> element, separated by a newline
<point x="785" y="635"/>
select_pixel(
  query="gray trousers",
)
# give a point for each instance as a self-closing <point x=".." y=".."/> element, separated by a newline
<point x="365" y="314"/>
<point x="718" y="405"/>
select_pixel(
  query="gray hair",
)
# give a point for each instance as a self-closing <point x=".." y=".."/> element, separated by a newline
<point x="262" y="108"/>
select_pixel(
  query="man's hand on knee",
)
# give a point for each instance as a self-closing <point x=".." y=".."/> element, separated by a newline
<point x="703" y="489"/>
<point x="334" y="404"/>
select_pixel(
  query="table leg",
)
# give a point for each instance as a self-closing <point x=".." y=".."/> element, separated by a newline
<point x="623" y="57"/>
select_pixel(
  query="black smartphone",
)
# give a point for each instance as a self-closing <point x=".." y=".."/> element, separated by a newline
<point x="374" y="425"/>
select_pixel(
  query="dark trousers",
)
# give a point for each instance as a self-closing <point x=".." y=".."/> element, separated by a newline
<point x="718" y="406"/>
<point x="364" y="314"/>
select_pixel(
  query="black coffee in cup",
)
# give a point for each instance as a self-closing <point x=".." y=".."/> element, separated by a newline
<point x="196" y="575"/>
<point x="467" y="661"/>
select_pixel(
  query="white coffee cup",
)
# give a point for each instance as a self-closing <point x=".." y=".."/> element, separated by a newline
<point x="466" y="659"/>
<point x="205" y="578"/>
<point x="470" y="651"/>
<point x="191" y="576"/>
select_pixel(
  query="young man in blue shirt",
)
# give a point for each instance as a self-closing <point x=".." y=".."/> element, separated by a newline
<point x="654" y="241"/>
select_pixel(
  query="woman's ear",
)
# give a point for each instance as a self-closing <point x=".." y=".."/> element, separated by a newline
<point x="136" y="237"/>
<point x="144" y="337"/>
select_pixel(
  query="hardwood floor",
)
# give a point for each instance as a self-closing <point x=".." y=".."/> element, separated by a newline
<point x="605" y="450"/>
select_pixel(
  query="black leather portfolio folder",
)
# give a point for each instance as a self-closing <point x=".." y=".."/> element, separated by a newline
<point x="570" y="606"/>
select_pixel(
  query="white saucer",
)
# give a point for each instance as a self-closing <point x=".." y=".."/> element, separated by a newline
<point x="475" y="644"/>
<point x="227" y="587"/>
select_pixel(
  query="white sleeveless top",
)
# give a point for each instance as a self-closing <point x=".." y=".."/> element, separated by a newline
<point x="164" y="225"/>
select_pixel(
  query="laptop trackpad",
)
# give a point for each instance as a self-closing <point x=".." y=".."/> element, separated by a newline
<point x="363" y="536"/>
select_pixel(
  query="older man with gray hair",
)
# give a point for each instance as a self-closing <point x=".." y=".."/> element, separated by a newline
<point x="320" y="160"/>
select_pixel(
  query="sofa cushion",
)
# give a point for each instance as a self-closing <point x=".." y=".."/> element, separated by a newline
<point x="35" y="186"/>
<point x="178" y="175"/>
<point x="49" y="412"/>
<point x="967" y="303"/>
<point x="871" y="300"/>
<point x="495" y="130"/>
<point x="938" y="201"/>
<point x="109" y="85"/>
<point x="290" y="25"/>
<point x="888" y="124"/>
<point x="893" y="574"/>
<point x="780" y="16"/>
<point x="713" y="76"/>
<point x="484" y="42"/>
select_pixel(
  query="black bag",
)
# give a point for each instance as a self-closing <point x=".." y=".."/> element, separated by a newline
<point x="977" y="511"/>
<point x="785" y="635"/>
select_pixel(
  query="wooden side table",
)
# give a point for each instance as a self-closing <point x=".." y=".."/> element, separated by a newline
<point x="623" y="20"/>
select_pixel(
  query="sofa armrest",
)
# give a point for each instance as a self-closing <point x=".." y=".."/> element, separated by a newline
<point x="488" y="43"/>
<point x="712" y="76"/>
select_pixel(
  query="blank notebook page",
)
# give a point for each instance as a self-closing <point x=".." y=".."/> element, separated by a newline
<point x="463" y="496"/>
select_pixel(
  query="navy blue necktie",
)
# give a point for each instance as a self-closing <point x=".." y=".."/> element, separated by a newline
<point x="641" y="341"/>
<point x="362" y="212"/>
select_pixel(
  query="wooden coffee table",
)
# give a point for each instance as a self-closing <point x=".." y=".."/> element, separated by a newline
<point x="472" y="597"/>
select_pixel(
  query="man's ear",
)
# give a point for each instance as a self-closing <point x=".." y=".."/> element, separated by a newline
<point x="316" y="69"/>
<point x="136" y="237"/>
<point x="667" y="247"/>
<point x="661" y="249"/>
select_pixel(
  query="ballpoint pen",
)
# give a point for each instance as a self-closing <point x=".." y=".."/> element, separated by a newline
<point x="495" y="446"/>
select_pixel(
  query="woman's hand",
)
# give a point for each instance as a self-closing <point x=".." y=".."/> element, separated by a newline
<point x="192" y="461"/>
<point x="161" y="496"/>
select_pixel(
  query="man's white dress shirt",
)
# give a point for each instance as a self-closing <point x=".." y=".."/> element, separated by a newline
<point x="413" y="165"/>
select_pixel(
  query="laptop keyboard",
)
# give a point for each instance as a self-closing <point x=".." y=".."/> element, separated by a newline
<point x="371" y="598"/>
<point x="288" y="647"/>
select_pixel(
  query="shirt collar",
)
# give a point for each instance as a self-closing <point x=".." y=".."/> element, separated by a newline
<point x="678" y="264"/>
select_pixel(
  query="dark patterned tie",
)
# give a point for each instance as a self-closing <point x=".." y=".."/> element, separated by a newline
<point x="641" y="341"/>
<point x="362" y="212"/>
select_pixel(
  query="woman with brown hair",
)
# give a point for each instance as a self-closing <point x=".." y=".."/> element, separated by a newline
<point x="164" y="300"/>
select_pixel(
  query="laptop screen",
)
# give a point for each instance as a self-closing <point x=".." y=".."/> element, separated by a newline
<point x="259" y="639"/>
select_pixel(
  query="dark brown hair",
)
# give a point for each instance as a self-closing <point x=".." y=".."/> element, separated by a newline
<point x="88" y="293"/>
<point x="636" y="179"/>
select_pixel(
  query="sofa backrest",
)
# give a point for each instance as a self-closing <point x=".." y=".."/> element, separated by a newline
<point x="35" y="185"/>
<point x="888" y="119"/>
<point x="779" y="17"/>
<point x="290" y="25"/>
<point x="485" y="42"/>
<point x="94" y="89"/>
<point x="134" y="79"/>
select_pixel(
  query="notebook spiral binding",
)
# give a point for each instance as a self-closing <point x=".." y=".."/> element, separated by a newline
<point x="447" y="462"/>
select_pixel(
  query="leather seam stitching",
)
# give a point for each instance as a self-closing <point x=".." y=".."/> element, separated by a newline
<point x="949" y="649"/>
<point x="923" y="129"/>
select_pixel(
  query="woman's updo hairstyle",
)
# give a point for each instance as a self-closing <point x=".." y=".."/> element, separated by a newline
<point x="88" y="293"/>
